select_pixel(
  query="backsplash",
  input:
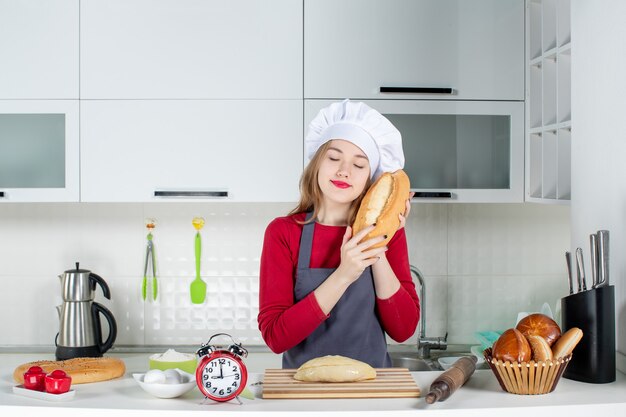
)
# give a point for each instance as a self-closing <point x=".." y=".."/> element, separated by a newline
<point x="482" y="264"/>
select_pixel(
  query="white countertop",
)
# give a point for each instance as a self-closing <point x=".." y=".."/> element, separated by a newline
<point x="481" y="396"/>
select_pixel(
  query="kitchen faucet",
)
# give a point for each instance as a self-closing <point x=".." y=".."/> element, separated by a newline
<point x="425" y="344"/>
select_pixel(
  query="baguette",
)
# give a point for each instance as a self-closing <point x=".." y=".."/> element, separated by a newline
<point x="567" y="342"/>
<point x="334" y="368"/>
<point x="82" y="370"/>
<point x="382" y="204"/>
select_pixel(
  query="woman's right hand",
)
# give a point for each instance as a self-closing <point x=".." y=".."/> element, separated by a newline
<point x="356" y="255"/>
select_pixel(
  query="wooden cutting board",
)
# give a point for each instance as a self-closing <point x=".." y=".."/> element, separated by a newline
<point x="389" y="383"/>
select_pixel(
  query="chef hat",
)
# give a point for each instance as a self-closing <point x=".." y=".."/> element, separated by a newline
<point x="363" y="126"/>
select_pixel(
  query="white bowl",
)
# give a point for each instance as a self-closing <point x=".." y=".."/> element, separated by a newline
<point x="447" y="361"/>
<point x="168" y="390"/>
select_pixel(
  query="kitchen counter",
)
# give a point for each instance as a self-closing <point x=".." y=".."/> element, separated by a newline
<point x="481" y="396"/>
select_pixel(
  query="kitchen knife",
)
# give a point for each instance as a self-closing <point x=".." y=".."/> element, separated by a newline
<point x="568" y="260"/>
<point x="580" y="270"/>
<point x="593" y="247"/>
<point x="603" y="258"/>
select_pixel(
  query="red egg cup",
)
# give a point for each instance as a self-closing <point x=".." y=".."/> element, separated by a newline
<point x="58" y="382"/>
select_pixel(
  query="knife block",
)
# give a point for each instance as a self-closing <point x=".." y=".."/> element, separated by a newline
<point x="592" y="311"/>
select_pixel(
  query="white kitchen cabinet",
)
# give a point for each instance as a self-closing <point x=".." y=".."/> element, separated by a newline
<point x="548" y="102"/>
<point x="39" y="49"/>
<point x="190" y="150"/>
<point x="457" y="151"/>
<point x="353" y="48"/>
<point x="181" y="49"/>
<point x="39" y="151"/>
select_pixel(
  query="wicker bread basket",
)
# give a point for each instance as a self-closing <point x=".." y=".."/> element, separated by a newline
<point x="527" y="377"/>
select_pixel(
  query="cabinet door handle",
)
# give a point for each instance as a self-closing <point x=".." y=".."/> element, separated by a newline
<point x="432" y="194"/>
<point x="417" y="90"/>
<point x="187" y="194"/>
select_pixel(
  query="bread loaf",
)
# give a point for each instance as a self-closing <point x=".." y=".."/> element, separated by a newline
<point x="512" y="346"/>
<point x="566" y="343"/>
<point x="334" y="369"/>
<point x="540" y="325"/>
<point x="82" y="370"/>
<point x="540" y="349"/>
<point x="382" y="204"/>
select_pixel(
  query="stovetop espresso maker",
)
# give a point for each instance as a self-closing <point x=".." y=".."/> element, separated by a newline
<point x="80" y="330"/>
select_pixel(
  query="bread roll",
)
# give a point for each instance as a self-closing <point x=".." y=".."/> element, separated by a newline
<point x="334" y="369"/>
<point x="566" y="343"/>
<point x="540" y="325"/>
<point x="382" y="204"/>
<point x="82" y="370"/>
<point x="540" y="349"/>
<point x="512" y="346"/>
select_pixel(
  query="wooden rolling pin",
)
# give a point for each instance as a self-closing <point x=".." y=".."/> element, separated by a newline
<point x="452" y="379"/>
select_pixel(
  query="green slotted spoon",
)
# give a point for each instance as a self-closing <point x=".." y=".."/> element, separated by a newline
<point x="198" y="286"/>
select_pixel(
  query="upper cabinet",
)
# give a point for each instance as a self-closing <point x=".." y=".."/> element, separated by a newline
<point x="39" y="49"/>
<point x="446" y="49"/>
<point x="39" y="150"/>
<point x="190" y="150"/>
<point x="548" y="102"/>
<point x="191" y="49"/>
<point x="457" y="151"/>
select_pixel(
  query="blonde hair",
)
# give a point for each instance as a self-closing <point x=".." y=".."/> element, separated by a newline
<point x="311" y="194"/>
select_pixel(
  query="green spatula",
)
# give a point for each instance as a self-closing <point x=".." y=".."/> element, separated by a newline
<point x="198" y="287"/>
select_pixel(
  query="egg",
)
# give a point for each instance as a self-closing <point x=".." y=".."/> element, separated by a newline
<point x="154" y="376"/>
<point x="172" y="377"/>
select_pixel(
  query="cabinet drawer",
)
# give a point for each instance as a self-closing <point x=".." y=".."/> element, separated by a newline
<point x="205" y="49"/>
<point x="355" y="47"/>
<point x="232" y="150"/>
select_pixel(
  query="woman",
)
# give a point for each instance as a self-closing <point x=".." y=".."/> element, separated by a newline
<point x="323" y="291"/>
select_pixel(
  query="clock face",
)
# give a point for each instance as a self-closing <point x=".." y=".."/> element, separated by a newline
<point x="222" y="377"/>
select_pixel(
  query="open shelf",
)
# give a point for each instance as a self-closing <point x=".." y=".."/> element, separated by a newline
<point x="548" y="24"/>
<point x="535" y="165"/>
<point x="534" y="18"/>
<point x="563" y="23"/>
<point x="564" y="163"/>
<point x="535" y="107"/>
<point x="548" y="101"/>
<point x="564" y="91"/>
<point x="548" y="165"/>
<point x="549" y="89"/>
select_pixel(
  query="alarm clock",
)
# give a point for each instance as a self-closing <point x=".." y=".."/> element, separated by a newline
<point x="221" y="374"/>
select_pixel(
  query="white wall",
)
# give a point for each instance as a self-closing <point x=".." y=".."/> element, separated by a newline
<point x="483" y="263"/>
<point x="599" y="138"/>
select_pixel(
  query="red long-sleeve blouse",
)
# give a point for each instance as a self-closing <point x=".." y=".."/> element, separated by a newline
<point x="284" y="323"/>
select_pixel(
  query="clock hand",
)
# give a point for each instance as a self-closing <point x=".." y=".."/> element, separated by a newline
<point x="221" y="371"/>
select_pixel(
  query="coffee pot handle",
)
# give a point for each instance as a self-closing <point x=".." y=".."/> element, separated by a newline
<point x="97" y="279"/>
<point x="96" y="309"/>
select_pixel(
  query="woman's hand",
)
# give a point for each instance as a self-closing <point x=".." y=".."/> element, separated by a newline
<point x="356" y="255"/>
<point x="406" y="211"/>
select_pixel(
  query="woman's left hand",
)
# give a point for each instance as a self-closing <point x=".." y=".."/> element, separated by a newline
<point x="406" y="211"/>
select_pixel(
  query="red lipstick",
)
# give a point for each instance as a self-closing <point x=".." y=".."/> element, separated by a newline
<point x="340" y="184"/>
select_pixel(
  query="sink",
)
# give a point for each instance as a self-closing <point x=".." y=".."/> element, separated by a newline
<point x="410" y="361"/>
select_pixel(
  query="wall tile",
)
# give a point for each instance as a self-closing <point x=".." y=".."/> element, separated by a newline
<point x="427" y="235"/>
<point x="29" y="310"/>
<point x="482" y="264"/>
